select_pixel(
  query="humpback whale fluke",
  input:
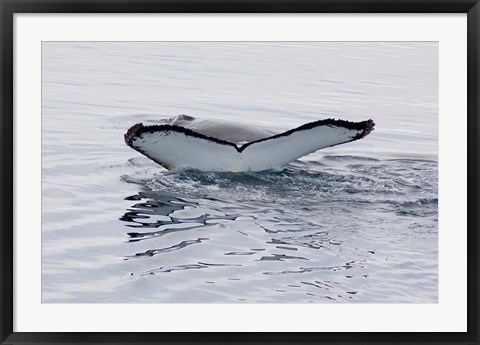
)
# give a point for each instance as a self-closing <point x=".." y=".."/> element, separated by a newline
<point x="188" y="142"/>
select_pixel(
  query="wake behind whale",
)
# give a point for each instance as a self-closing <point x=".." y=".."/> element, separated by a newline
<point x="207" y="145"/>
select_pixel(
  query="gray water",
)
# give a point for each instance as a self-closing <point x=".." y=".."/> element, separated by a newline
<point x="353" y="223"/>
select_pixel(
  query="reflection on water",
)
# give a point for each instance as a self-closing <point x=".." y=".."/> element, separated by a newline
<point x="306" y="235"/>
<point x="163" y="214"/>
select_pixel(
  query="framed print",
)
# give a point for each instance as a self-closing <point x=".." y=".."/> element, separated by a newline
<point x="241" y="172"/>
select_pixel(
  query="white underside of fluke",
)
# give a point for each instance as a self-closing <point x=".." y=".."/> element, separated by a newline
<point x="174" y="148"/>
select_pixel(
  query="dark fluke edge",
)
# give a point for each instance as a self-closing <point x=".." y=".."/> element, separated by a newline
<point x="208" y="145"/>
<point x="138" y="129"/>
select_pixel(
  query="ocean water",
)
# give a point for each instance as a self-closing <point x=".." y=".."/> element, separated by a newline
<point x="355" y="223"/>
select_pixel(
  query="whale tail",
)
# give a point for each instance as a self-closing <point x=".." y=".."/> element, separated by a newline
<point x="175" y="147"/>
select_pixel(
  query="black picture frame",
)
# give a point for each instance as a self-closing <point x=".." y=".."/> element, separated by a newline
<point x="10" y="7"/>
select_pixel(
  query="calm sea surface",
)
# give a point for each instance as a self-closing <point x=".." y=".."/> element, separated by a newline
<point x="353" y="223"/>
